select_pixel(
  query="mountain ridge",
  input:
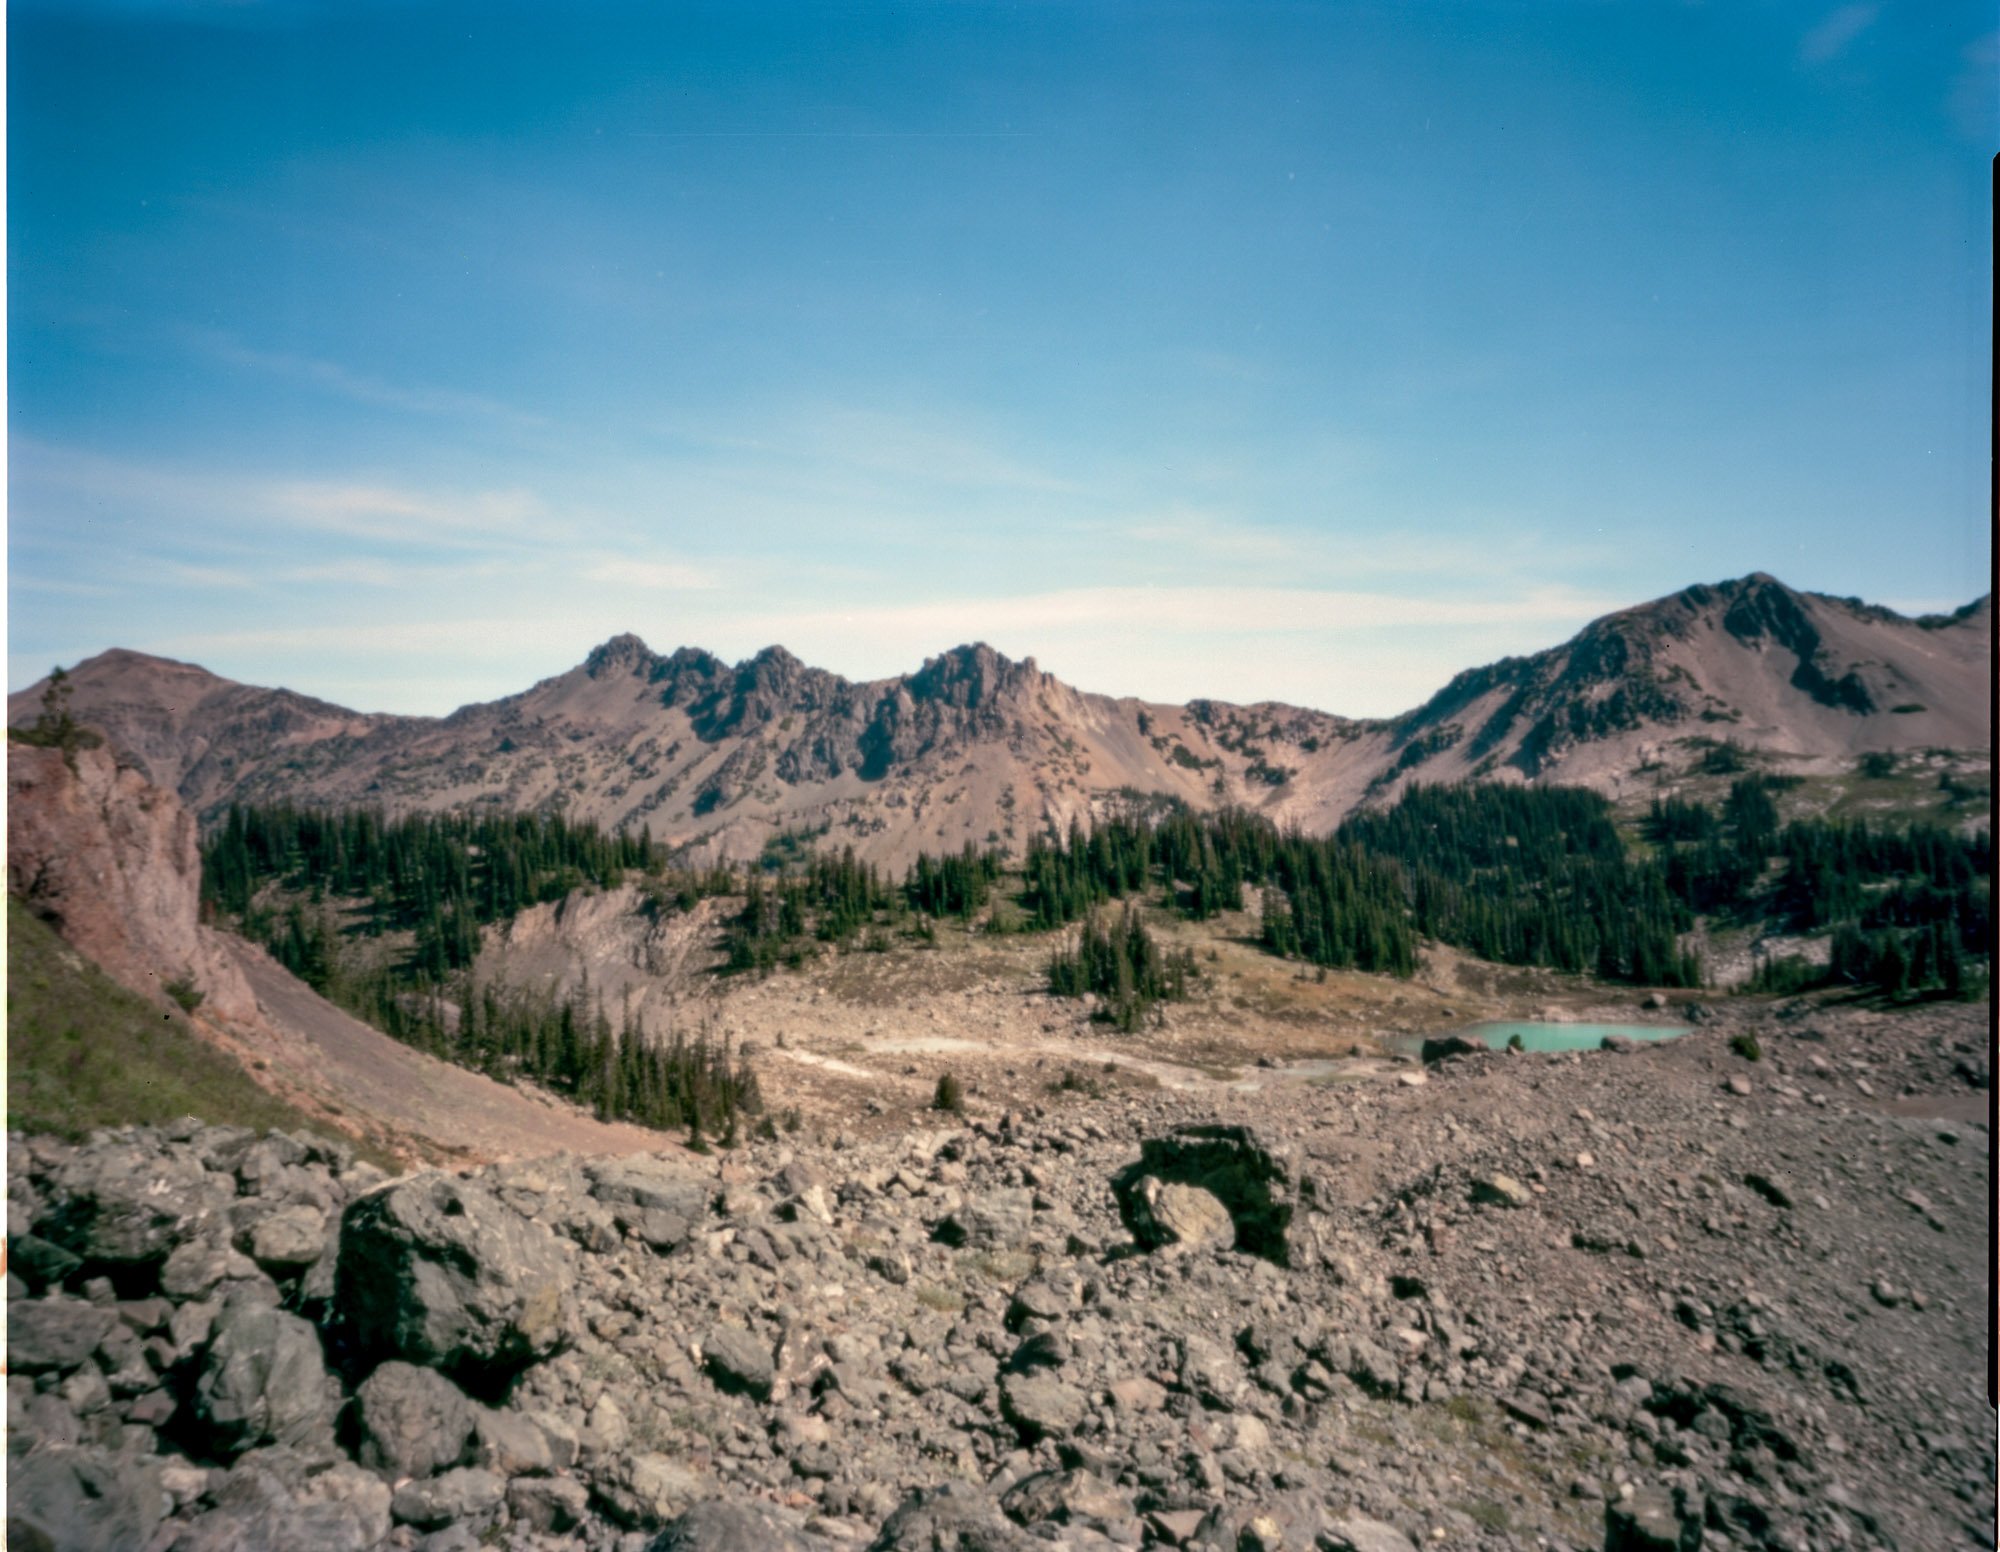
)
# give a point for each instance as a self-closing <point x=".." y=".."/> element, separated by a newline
<point x="977" y="747"/>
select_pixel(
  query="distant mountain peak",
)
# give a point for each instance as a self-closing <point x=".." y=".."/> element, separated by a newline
<point x="971" y="676"/>
<point x="623" y="653"/>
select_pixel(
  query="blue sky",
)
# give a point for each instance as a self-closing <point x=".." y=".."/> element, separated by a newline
<point x="399" y="353"/>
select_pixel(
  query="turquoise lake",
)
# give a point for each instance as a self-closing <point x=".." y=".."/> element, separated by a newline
<point x="1564" y="1037"/>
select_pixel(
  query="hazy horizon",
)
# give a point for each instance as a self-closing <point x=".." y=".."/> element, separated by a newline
<point x="401" y="354"/>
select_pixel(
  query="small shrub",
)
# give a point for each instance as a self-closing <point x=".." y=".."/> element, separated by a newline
<point x="950" y="1095"/>
<point x="186" y="995"/>
<point x="942" y="1300"/>
<point x="1878" y="763"/>
<point x="1724" y="759"/>
<point x="1747" y="1046"/>
<point x="1074" y="1082"/>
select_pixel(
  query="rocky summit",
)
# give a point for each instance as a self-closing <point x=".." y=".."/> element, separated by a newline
<point x="1658" y="1297"/>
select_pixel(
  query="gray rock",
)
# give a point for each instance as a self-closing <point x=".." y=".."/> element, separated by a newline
<point x="654" y="1199"/>
<point x="1529" y="1408"/>
<point x="54" y="1334"/>
<point x="412" y="1421"/>
<point x="644" y="1492"/>
<point x="125" y="1204"/>
<point x="1500" y="1191"/>
<point x="1040" y="1406"/>
<point x="994" y="1220"/>
<point x="511" y="1444"/>
<point x="264" y="1380"/>
<point x="197" y="1265"/>
<point x="289" y="1239"/>
<point x="1257" y="1179"/>
<point x="716" y="1525"/>
<point x="1035" y="1300"/>
<point x="952" y="1517"/>
<point x="1171" y="1214"/>
<point x="273" y="1517"/>
<point x="548" y="1504"/>
<point x="464" y="1494"/>
<point x="1211" y="1373"/>
<point x="1358" y="1533"/>
<point x="83" y="1500"/>
<point x="437" y="1271"/>
<point x="1653" y="1520"/>
<point x="1372" y="1368"/>
<point x="40" y="1261"/>
<point x="1066" y="1498"/>
<point x="738" y="1362"/>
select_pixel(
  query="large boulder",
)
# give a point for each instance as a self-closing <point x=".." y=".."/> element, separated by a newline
<point x="1258" y="1180"/>
<point x="272" y="1498"/>
<point x="121" y="1205"/>
<point x="435" y="1270"/>
<point x="54" y="1334"/>
<point x="1167" y="1215"/>
<point x="659" y="1202"/>
<point x="83" y="1500"/>
<point x="264" y="1381"/>
<point x="412" y="1421"/>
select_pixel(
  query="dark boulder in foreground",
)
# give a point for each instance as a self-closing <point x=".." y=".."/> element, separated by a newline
<point x="438" y="1272"/>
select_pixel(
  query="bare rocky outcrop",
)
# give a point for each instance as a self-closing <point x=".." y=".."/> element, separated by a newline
<point x="1739" y="1316"/>
<point x="113" y="861"/>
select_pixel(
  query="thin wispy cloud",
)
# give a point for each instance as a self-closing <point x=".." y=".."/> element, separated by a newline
<point x="60" y="586"/>
<point x="1212" y="609"/>
<point x="1836" y="32"/>
<point x="405" y="516"/>
<point x="361" y="572"/>
<point x="206" y="577"/>
<point x="1971" y="101"/>
<point x="360" y="387"/>
<point x="907" y="449"/>
<point x="651" y="575"/>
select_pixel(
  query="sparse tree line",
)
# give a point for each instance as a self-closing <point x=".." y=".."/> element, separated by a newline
<point x="1517" y="875"/>
<point x="1123" y="965"/>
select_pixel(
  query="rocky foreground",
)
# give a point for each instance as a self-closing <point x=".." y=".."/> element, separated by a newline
<point x="1656" y="1298"/>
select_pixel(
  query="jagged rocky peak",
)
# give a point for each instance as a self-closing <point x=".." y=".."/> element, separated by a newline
<point x="624" y="653"/>
<point x="775" y="682"/>
<point x="972" y="676"/>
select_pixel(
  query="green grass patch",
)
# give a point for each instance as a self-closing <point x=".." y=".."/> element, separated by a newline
<point x="83" y="1052"/>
